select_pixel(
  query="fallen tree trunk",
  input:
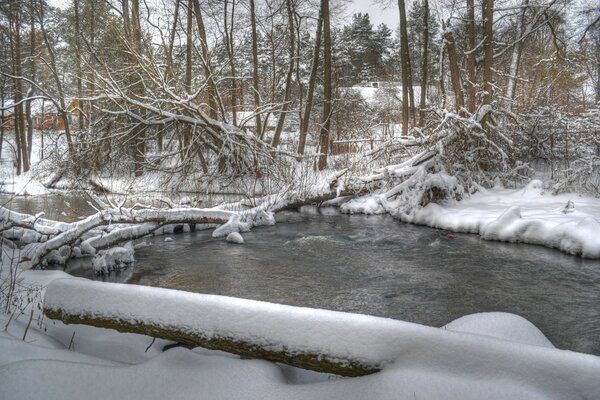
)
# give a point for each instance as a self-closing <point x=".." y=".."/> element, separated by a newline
<point x="325" y="341"/>
<point x="143" y="222"/>
<point x="242" y="327"/>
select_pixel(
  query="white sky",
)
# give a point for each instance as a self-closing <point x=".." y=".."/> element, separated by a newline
<point x="377" y="11"/>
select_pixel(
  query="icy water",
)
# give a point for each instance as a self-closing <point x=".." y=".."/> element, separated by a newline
<point x="379" y="266"/>
<point x="374" y="265"/>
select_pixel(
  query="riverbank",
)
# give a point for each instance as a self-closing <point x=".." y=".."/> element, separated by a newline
<point x="57" y="361"/>
<point x="568" y="222"/>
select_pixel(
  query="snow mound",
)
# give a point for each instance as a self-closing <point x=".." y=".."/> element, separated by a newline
<point x="369" y="205"/>
<point x="521" y="216"/>
<point x="500" y="325"/>
<point x="113" y="259"/>
<point x="235" y="237"/>
<point x="233" y="225"/>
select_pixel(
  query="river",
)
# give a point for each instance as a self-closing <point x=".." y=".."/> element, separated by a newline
<point x="379" y="266"/>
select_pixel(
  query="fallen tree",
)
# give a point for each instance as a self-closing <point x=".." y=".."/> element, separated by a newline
<point x="320" y="340"/>
<point x="39" y="238"/>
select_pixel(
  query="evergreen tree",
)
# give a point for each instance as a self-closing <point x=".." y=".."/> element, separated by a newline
<point x="415" y="41"/>
<point x="363" y="50"/>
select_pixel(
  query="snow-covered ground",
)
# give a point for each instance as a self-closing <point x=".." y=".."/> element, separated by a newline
<point x="569" y="222"/>
<point x="482" y="356"/>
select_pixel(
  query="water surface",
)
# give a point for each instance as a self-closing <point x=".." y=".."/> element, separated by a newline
<point x="376" y="265"/>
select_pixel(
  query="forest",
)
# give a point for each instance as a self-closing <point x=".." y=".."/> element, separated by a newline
<point x="215" y="94"/>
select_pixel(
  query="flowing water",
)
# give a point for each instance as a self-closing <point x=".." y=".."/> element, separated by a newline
<point x="379" y="266"/>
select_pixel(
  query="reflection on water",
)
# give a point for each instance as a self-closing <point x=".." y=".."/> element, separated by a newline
<point x="73" y="206"/>
<point x="379" y="266"/>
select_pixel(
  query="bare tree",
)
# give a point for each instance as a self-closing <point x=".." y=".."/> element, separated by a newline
<point x="406" y="70"/>
<point x="288" y="80"/>
<point x="327" y="87"/>
<point x="311" y="84"/>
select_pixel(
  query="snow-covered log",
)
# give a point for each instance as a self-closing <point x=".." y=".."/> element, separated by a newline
<point x="135" y="224"/>
<point x="321" y="340"/>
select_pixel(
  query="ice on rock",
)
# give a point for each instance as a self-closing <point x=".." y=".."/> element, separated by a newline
<point x="113" y="259"/>
<point x="235" y="237"/>
<point x="364" y="205"/>
<point x="168" y="239"/>
<point x="569" y="207"/>
<point x="233" y="225"/>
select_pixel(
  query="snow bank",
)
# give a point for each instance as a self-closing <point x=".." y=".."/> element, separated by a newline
<point x="568" y="222"/>
<point x="428" y="360"/>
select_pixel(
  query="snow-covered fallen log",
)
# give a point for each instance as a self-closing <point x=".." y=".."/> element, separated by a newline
<point x="46" y="237"/>
<point x="342" y="343"/>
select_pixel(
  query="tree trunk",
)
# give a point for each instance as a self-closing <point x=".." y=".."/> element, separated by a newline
<point x="425" y="64"/>
<point x="488" y="50"/>
<point x="228" y="31"/>
<point x="271" y="348"/>
<point x="212" y="87"/>
<point x="471" y="59"/>
<point x="288" y="80"/>
<point x="516" y="56"/>
<point x="454" y="70"/>
<point x="32" y="73"/>
<point x="126" y="23"/>
<point x="139" y="132"/>
<point x="405" y="64"/>
<point x="255" y="67"/>
<point x="78" y="62"/>
<point x="311" y="84"/>
<point x="327" y="88"/>
<point x="21" y="137"/>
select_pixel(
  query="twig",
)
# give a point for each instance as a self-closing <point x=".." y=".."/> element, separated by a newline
<point x="28" y="324"/>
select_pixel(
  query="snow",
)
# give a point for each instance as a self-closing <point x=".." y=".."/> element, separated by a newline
<point x="117" y="257"/>
<point x="451" y="355"/>
<point x="235" y="237"/>
<point x="568" y="222"/>
<point x="489" y="355"/>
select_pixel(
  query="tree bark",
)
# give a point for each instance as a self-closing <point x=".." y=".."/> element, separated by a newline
<point x="488" y="50"/>
<point x="228" y="30"/>
<point x="406" y="71"/>
<point x="32" y="73"/>
<point x="138" y="132"/>
<point x="327" y="88"/>
<point x="78" y="62"/>
<point x="288" y="80"/>
<point x="425" y="63"/>
<point x="311" y="84"/>
<point x="213" y="103"/>
<point x="471" y="59"/>
<point x="454" y="70"/>
<point x="22" y="156"/>
<point x="255" y="67"/>
<point x="516" y="56"/>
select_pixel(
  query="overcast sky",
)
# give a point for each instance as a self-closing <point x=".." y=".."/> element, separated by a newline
<point x="377" y="12"/>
